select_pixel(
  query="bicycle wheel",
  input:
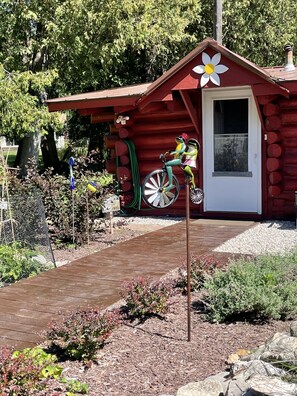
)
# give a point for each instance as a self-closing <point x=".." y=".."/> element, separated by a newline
<point x="196" y="195"/>
<point x="153" y="189"/>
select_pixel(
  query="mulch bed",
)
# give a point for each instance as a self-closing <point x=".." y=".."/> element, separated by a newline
<point x="155" y="358"/>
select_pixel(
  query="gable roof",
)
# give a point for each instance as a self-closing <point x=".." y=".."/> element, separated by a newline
<point x="131" y="95"/>
<point x="211" y="43"/>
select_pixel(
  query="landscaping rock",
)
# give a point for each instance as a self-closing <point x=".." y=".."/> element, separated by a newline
<point x="232" y="385"/>
<point x="256" y="367"/>
<point x="293" y="329"/>
<point x="280" y="347"/>
<point x="252" y="374"/>
<point x="271" y="386"/>
<point x="201" y="388"/>
<point x="237" y="386"/>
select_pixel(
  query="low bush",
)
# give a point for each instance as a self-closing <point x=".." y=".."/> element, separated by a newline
<point x="34" y="372"/>
<point x="145" y="298"/>
<point x="201" y="268"/>
<point x="79" y="335"/>
<point x="264" y="288"/>
<point x="18" y="262"/>
<point x="70" y="214"/>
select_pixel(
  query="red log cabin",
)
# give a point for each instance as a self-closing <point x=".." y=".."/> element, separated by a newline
<point x="244" y="117"/>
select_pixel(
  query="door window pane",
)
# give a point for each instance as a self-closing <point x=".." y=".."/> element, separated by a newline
<point x="231" y="135"/>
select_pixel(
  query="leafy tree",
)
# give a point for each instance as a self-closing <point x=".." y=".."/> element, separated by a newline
<point x="24" y="77"/>
<point x="22" y="113"/>
<point x="92" y="44"/>
<point x="258" y="29"/>
<point x="111" y="43"/>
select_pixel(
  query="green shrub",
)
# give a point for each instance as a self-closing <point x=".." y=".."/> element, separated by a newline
<point x="17" y="262"/>
<point x="201" y="268"/>
<point x="74" y="387"/>
<point x="33" y="372"/>
<point x="264" y="288"/>
<point x="144" y="298"/>
<point x="63" y="204"/>
<point x="79" y="335"/>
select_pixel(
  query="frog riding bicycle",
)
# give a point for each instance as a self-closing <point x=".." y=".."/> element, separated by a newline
<point x="161" y="188"/>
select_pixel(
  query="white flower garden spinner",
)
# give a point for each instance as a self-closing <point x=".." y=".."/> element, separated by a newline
<point x="210" y="69"/>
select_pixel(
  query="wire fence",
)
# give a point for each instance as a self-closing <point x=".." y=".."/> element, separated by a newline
<point x="22" y="219"/>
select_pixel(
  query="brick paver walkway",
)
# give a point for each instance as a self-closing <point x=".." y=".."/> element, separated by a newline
<point x="27" y="306"/>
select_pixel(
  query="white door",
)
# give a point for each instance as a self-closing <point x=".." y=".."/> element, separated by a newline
<point x="231" y="151"/>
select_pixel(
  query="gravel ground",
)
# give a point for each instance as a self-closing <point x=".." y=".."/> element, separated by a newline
<point x="165" y="221"/>
<point x="275" y="237"/>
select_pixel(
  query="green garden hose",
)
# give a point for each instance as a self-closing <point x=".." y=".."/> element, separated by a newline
<point x="136" y="202"/>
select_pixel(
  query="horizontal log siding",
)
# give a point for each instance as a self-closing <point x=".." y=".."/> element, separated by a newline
<point x="282" y="149"/>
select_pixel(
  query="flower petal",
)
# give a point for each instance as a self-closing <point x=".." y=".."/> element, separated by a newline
<point x="204" y="79"/>
<point x="205" y="58"/>
<point x="221" y="69"/>
<point x="215" y="60"/>
<point x="215" y="79"/>
<point x="199" y="69"/>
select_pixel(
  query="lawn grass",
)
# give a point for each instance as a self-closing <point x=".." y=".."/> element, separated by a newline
<point x="10" y="156"/>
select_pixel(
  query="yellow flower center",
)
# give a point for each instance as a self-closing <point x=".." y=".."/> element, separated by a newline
<point x="209" y="68"/>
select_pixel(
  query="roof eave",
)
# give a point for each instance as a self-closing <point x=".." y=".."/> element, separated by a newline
<point x="87" y="103"/>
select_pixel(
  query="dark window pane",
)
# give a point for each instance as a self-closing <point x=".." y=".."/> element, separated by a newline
<point x="231" y="135"/>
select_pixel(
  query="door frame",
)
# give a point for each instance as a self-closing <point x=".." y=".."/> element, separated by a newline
<point x="208" y="97"/>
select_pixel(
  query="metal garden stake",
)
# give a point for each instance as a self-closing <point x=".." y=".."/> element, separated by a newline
<point x="188" y="258"/>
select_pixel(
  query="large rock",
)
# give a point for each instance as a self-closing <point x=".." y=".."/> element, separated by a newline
<point x="201" y="388"/>
<point x="232" y="385"/>
<point x="236" y="386"/>
<point x="256" y="367"/>
<point x="280" y="347"/>
<point x="271" y="386"/>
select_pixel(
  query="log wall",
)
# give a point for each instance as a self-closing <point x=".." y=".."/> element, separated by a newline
<point x="280" y="128"/>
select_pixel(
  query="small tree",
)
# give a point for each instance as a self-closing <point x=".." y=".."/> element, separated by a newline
<point x="23" y="117"/>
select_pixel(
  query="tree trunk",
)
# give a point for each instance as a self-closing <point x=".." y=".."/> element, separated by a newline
<point x="49" y="151"/>
<point x="97" y="147"/>
<point x="28" y="149"/>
